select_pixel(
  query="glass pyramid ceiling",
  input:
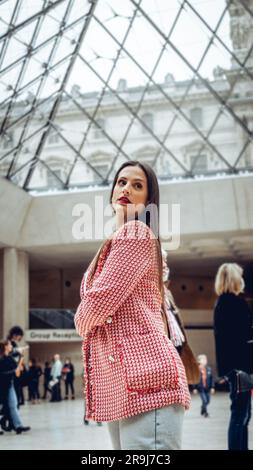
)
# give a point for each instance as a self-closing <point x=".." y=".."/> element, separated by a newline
<point x="86" y="85"/>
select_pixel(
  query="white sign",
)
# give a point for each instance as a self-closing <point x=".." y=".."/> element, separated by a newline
<point x="39" y="336"/>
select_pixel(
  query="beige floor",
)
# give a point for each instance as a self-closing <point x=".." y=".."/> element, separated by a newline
<point x="60" y="426"/>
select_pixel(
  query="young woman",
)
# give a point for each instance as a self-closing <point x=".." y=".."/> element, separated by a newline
<point x="134" y="377"/>
<point x="233" y="330"/>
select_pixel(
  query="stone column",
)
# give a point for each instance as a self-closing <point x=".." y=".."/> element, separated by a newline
<point x="15" y="289"/>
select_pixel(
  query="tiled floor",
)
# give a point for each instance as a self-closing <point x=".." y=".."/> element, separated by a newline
<point x="60" y="426"/>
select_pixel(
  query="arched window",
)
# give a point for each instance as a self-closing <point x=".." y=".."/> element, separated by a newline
<point x="145" y="155"/>
<point x="196" y="116"/>
<point x="101" y="162"/>
<point x="148" y="119"/>
<point x="98" y="131"/>
<point x="59" y="168"/>
<point x="198" y="162"/>
<point x="52" y="180"/>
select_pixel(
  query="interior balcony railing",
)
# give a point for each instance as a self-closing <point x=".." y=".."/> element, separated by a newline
<point x="51" y="318"/>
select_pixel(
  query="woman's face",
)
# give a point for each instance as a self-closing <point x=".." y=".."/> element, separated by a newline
<point x="130" y="193"/>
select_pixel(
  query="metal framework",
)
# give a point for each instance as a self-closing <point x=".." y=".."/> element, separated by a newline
<point x="42" y="47"/>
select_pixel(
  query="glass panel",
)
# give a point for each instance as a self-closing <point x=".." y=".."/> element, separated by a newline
<point x="15" y="50"/>
<point x="26" y="11"/>
<point x="79" y="7"/>
<point x="190" y="126"/>
<point x="6" y="11"/>
<point x="51" y="319"/>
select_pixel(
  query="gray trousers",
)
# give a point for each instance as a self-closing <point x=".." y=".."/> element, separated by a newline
<point x="159" y="429"/>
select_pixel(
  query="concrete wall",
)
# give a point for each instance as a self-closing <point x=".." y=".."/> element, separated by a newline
<point x="59" y="288"/>
<point x="47" y="220"/>
<point x="194" y="296"/>
<point x="55" y="288"/>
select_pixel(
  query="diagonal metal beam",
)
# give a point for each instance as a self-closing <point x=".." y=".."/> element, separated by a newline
<point x="5" y="41"/>
<point x="167" y="96"/>
<point x="42" y="83"/>
<point x="104" y="87"/>
<point x="145" y="90"/>
<point x="35" y="80"/>
<point x="188" y="88"/>
<point x="58" y="99"/>
<point x="229" y="94"/>
<point x="42" y="102"/>
<point x="21" y="72"/>
<point x="30" y="19"/>
<point x="143" y="123"/>
<point x="194" y="71"/>
<point x="36" y="49"/>
<point x="218" y="38"/>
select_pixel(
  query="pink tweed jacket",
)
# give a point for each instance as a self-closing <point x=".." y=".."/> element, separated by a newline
<point x="130" y="365"/>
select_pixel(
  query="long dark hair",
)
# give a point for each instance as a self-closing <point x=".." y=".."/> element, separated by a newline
<point x="150" y="215"/>
<point x="3" y="344"/>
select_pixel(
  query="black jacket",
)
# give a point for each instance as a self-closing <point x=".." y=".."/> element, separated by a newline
<point x="232" y="330"/>
<point x="7" y="374"/>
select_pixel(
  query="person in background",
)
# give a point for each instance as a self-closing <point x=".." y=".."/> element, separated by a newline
<point x="176" y="331"/>
<point x="56" y="373"/>
<point x="205" y="385"/>
<point x="233" y="340"/>
<point x="15" y="335"/>
<point x="34" y="374"/>
<point x="47" y="376"/>
<point x="68" y="372"/>
<point x="9" y="368"/>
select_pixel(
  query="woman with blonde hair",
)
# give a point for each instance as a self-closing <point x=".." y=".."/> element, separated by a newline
<point x="134" y="377"/>
<point x="233" y="330"/>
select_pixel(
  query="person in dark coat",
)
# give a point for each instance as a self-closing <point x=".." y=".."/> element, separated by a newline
<point x="8" y="370"/>
<point x="15" y="335"/>
<point x="34" y="374"/>
<point x="233" y="331"/>
<point x="68" y="372"/>
<point x="47" y="377"/>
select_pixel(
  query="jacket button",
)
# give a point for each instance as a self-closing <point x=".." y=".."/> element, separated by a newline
<point x="111" y="359"/>
<point x="109" y="320"/>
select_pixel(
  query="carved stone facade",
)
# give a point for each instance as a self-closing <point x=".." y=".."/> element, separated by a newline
<point x="241" y="30"/>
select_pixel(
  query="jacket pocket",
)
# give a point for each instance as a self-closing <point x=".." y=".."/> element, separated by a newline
<point x="150" y="363"/>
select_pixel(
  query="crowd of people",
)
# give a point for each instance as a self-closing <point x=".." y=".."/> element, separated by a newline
<point x="143" y="379"/>
<point x="16" y="377"/>
<point x="232" y="328"/>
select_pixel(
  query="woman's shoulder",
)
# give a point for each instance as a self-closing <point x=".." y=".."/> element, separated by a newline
<point x="227" y="298"/>
<point x="134" y="230"/>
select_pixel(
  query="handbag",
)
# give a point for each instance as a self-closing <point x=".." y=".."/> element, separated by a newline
<point x="190" y="364"/>
<point x="244" y="381"/>
<point x="52" y="383"/>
